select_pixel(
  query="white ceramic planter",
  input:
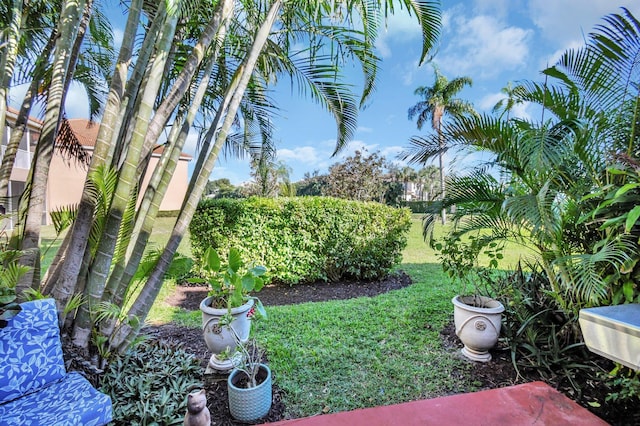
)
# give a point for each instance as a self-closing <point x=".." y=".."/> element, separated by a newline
<point x="613" y="332"/>
<point x="220" y="339"/>
<point x="478" y="327"/>
<point x="250" y="404"/>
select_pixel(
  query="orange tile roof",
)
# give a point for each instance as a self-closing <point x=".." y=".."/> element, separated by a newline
<point x="87" y="133"/>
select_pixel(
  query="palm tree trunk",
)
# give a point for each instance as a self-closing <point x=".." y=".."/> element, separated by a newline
<point x="443" y="213"/>
<point x="65" y="283"/>
<point x="8" y="62"/>
<point x="23" y="117"/>
<point x="72" y="11"/>
<point x="223" y="11"/>
<point x="127" y="182"/>
<point x="158" y="184"/>
<point x="141" y="306"/>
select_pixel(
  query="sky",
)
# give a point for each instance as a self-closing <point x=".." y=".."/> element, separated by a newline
<point x="492" y="41"/>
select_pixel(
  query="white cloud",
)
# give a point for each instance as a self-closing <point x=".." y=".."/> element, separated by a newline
<point x="302" y="154"/>
<point x="555" y="56"/>
<point x="399" y="27"/>
<point x="498" y="8"/>
<point x="118" y="36"/>
<point x="191" y="144"/>
<point x="565" y="21"/>
<point x="485" y="46"/>
<point x="487" y="103"/>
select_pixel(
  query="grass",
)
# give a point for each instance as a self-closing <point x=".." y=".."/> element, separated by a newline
<point x="341" y="355"/>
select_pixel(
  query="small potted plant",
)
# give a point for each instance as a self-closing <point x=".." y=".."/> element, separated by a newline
<point x="477" y="318"/>
<point x="249" y="385"/>
<point x="229" y="307"/>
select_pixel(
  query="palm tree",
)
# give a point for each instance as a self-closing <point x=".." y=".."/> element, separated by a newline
<point x="234" y="49"/>
<point x="505" y="105"/>
<point x="571" y="176"/>
<point x="437" y="102"/>
<point x="408" y="175"/>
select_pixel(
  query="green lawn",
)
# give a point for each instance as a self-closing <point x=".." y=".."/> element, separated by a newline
<point x="340" y="355"/>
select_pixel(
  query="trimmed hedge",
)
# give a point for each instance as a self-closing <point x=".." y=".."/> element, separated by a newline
<point x="304" y="239"/>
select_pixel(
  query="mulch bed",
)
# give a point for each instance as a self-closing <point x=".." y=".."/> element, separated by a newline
<point x="497" y="373"/>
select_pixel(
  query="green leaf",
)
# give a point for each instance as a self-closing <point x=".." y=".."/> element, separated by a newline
<point x="626" y="188"/>
<point x="248" y="282"/>
<point x="628" y="290"/>
<point x="212" y="260"/>
<point x="258" y="271"/>
<point x="632" y="218"/>
<point x="235" y="260"/>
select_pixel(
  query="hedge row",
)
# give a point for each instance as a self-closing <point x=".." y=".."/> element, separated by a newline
<point x="304" y="239"/>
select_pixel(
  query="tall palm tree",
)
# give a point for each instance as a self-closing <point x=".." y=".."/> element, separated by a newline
<point x="437" y="102"/>
<point x="242" y="46"/>
<point x="506" y="104"/>
<point x="571" y="175"/>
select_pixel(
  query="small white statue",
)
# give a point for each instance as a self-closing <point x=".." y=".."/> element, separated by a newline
<point x="197" y="411"/>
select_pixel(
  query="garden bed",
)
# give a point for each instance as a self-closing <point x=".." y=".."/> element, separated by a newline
<point x="498" y="373"/>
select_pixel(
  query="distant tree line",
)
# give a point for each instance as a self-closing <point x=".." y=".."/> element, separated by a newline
<point x="361" y="176"/>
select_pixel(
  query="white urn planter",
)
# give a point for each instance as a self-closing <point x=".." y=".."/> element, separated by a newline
<point x="220" y="339"/>
<point x="478" y="320"/>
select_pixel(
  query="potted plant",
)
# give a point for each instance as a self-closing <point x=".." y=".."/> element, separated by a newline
<point x="228" y="309"/>
<point x="249" y="385"/>
<point x="477" y="318"/>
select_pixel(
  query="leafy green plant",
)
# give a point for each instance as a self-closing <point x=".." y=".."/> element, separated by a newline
<point x="305" y="239"/>
<point x="149" y="384"/>
<point x="249" y="364"/>
<point x="626" y="383"/>
<point x="459" y="261"/>
<point x="541" y="337"/>
<point x="10" y="273"/>
<point x="231" y="283"/>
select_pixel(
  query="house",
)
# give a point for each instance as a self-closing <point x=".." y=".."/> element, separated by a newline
<point x="67" y="177"/>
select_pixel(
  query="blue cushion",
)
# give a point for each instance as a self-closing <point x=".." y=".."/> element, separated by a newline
<point x="69" y="401"/>
<point x="30" y="350"/>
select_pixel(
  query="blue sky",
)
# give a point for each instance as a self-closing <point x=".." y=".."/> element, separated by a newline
<point x="491" y="41"/>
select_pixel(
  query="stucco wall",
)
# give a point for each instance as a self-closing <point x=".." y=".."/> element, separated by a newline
<point x="66" y="181"/>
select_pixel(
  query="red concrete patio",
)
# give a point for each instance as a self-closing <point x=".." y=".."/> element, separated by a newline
<point x="534" y="403"/>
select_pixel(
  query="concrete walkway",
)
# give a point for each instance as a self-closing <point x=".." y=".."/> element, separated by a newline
<point x="534" y="403"/>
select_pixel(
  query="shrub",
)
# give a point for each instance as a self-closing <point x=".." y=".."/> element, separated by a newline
<point x="150" y="384"/>
<point x="304" y="238"/>
<point x="543" y="338"/>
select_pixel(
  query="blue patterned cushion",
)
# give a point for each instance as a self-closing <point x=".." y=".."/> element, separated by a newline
<point x="30" y="350"/>
<point x="69" y="401"/>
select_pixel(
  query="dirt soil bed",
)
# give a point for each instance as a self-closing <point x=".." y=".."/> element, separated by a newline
<point x="498" y="373"/>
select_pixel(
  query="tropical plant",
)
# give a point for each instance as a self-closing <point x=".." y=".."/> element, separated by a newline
<point x="437" y="102"/>
<point x="568" y="190"/>
<point x="249" y="364"/>
<point x="231" y="283"/>
<point x="197" y="66"/>
<point x="149" y="383"/>
<point x="558" y="169"/>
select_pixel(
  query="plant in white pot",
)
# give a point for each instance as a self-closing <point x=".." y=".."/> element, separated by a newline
<point x="249" y="385"/>
<point x="477" y="318"/>
<point x="228" y="309"/>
